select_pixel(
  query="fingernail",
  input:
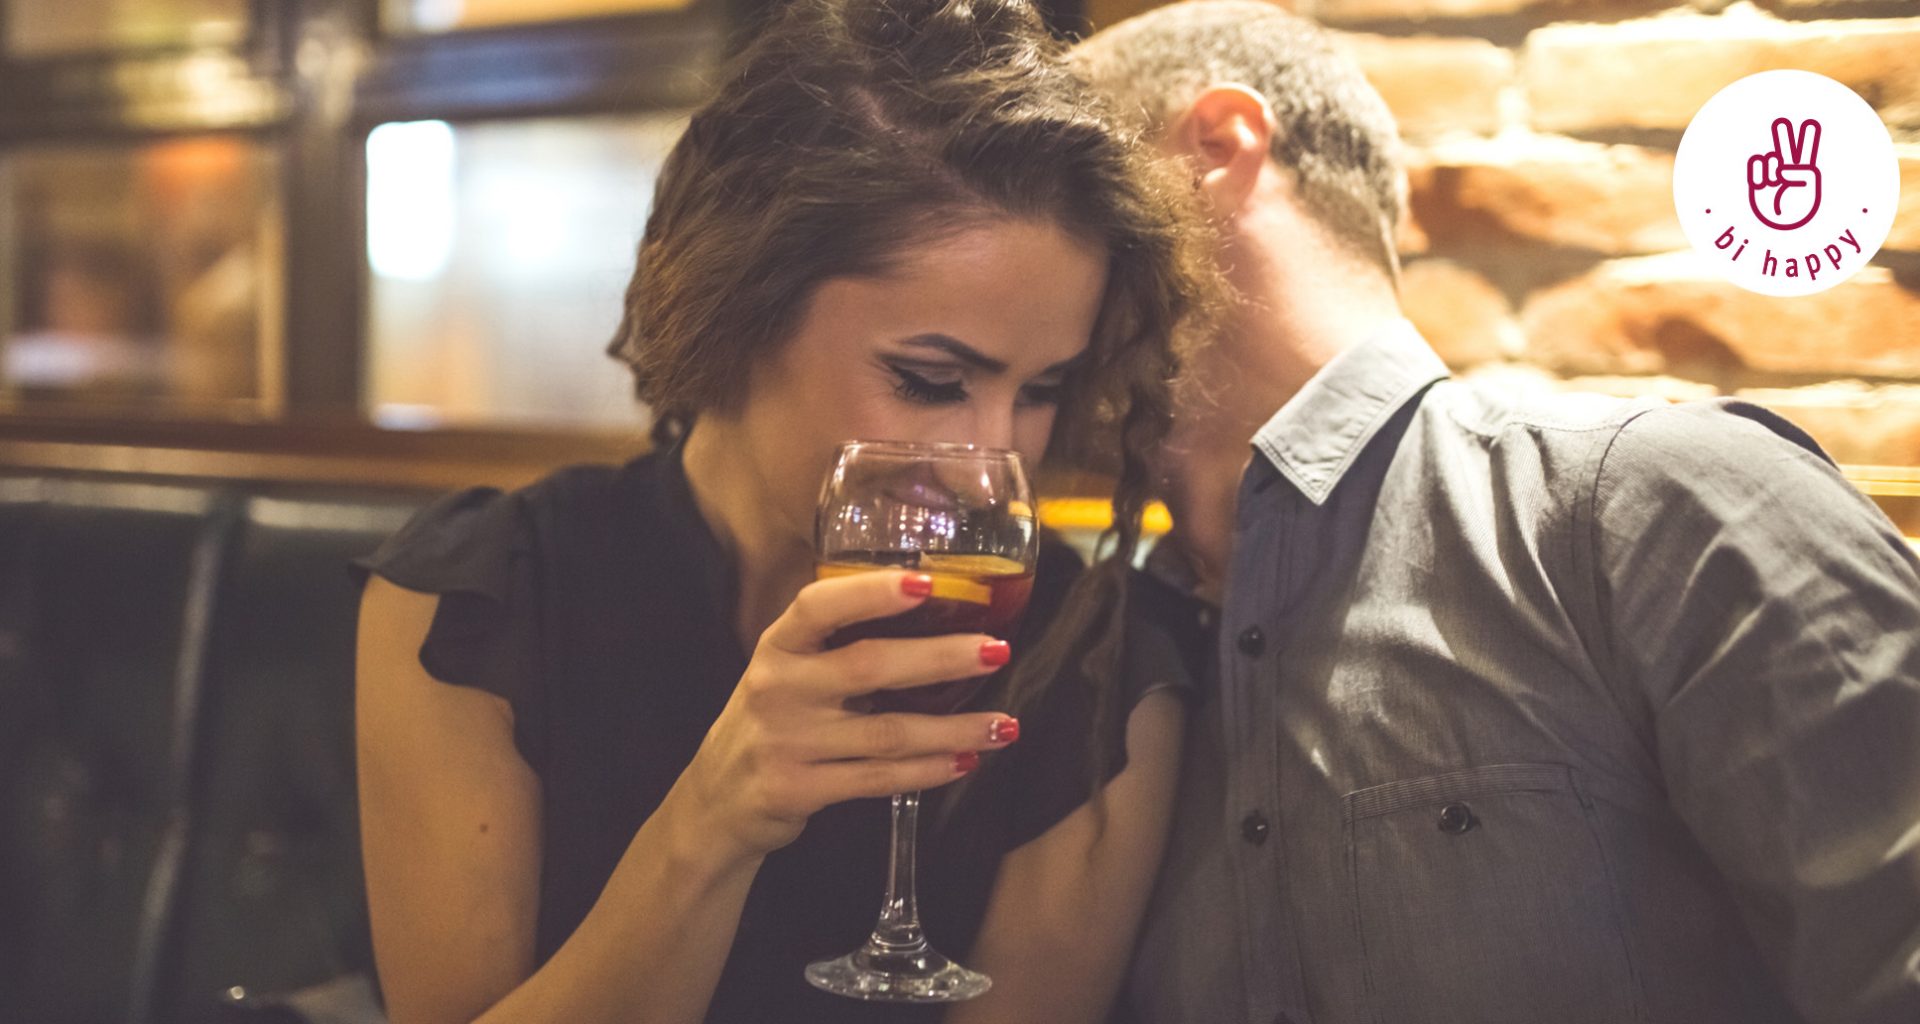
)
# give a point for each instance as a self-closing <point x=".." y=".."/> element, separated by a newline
<point x="965" y="762"/>
<point x="995" y="653"/>
<point x="1003" y="730"/>
<point x="917" y="586"/>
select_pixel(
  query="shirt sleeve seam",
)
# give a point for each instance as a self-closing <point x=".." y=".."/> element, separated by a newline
<point x="1596" y="568"/>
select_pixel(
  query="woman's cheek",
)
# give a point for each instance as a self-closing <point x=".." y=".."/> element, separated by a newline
<point x="1033" y="430"/>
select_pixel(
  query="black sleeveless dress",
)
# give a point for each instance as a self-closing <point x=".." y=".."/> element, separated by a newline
<point x="598" y="602"/>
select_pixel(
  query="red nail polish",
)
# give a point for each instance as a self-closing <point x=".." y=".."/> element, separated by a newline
<point x="995" y="653"/>
<point x="917" y="586"/>
<point x="1003" y="730"/>
<point x="965" y="762"/>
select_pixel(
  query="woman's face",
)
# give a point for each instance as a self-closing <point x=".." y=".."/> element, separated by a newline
<point x="969" y="339"/>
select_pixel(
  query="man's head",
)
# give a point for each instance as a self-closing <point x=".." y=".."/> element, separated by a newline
<point x="1206" y="76"/>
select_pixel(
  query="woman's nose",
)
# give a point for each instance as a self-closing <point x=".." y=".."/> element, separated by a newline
<point x="993" y="427"/>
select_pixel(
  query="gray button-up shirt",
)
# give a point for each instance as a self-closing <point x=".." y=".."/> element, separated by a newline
<point x="1545" y="712"/>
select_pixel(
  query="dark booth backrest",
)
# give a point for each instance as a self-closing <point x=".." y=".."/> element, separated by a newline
<point x="177" y="809"/>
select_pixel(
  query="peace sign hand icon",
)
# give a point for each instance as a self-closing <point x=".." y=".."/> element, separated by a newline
<point x="1783" y="186"/>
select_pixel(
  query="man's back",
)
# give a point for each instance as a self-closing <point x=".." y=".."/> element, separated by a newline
<point x="1597" y="711"/>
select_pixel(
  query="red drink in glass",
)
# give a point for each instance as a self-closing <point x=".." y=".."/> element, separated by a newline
<point x="971" y="594"/>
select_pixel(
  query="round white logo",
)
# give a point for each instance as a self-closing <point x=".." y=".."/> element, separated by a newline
<point x="1786" y="181"/>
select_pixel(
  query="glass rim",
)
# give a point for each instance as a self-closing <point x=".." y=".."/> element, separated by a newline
<point x="925" y="449"/>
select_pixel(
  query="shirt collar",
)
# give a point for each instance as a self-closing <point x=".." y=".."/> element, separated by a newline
<point x="1316" y="436"/>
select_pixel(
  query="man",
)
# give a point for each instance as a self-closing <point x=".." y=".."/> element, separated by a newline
<point x="1524" y="712"/>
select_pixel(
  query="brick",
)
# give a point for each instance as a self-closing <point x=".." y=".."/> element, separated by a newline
<point x="1466" y="319"/>
<point x="1101" y="13"/>
<point x="1671" y="314"/>
<point x="1365" y="12"/>
<point x="1905" y="234"/>
<point x="1435" y="86"/>
<point x="1526" y="379"/>
<point x="1657" y="72"/>
<point x="1856" y="423"/>
<point x="1838" y="8"/>
<point x="1671" y="389"/>
<point x="1338" y="12"/>
<point x="1613" y="200"/>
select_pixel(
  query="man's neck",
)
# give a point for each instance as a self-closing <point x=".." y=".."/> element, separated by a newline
<point x="1295" y="312"/>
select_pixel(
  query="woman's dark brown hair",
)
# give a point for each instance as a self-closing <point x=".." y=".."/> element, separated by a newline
<point x="850" y="131"/>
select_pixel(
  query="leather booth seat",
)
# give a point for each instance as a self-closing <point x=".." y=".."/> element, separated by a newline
<point x="177" y="798"/>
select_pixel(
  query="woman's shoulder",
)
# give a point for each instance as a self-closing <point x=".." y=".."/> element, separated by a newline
<point x="482" y="552"/>
<point x="467" y="541"/>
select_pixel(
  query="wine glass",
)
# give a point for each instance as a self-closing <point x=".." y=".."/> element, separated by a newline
<point x="964" y="516"/>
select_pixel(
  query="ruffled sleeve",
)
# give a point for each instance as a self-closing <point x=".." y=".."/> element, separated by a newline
<point x="474" y="549"/>
<point x="1047" y="775"/>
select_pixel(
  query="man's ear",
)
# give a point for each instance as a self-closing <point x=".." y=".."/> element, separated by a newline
<point x="1226" y="133"/>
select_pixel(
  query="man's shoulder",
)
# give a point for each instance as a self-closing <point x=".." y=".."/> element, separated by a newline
<point x="1720" y="456"/>
<point x="1583" y="446"/>
<point x="1497" y="405"/>
<point x="1518" y="410"/>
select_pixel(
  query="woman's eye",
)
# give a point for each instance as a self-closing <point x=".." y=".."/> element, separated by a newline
<point x="1042" y="394"/>
<point x="915" y="388"/>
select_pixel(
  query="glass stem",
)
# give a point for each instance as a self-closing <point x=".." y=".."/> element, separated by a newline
<point x="899" y="928"/>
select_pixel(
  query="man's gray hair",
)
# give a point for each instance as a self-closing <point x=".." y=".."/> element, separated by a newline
<point x="1332" y="129"/>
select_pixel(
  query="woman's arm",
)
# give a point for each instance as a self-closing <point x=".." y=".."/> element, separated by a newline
<point x="450" y="814"/>
<point x="1066" y="907"/>
<point x="449" y="824"/>
<point x="450" y="828"/>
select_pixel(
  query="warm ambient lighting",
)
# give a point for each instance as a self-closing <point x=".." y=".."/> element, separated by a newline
<point x="447" y="15"/>
<point x="410" y="194"/>
<point x="1097" y="514"/>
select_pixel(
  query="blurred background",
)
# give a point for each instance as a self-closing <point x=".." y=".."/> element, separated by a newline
<point x="273" y="272"/>
<point x="385" y="239"/>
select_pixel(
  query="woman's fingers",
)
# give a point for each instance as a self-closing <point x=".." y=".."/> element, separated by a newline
<point x="824" y="607"/>
<point x="870" y="665"/>
<point x="900" y="736"/>
<point x="852" y="780"/>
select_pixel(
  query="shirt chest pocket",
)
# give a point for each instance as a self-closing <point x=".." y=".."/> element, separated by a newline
<point x="1484" y="896"/>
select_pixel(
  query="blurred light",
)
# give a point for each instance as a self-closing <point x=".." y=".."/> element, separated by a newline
<point x="1097" y="514"/>
<point x="407" y="416"/>
<point x="410" y="200"/>
<point x="438" y="15"/>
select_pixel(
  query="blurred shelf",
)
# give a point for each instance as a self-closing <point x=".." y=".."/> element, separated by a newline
<point x="1896" y="489"/>
<point x="307" y="452"/>
<point x="353" y="452"/>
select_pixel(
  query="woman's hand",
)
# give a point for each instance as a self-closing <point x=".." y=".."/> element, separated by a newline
<point x="787" y="745"/>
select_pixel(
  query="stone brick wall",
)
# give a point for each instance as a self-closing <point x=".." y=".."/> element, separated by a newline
<point x="1542" y="244"/>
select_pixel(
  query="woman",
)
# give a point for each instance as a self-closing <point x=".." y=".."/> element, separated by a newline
<point x="645" y="797"/>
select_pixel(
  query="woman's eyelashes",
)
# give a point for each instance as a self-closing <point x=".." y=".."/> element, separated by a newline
<point x="925" y="387"/>
<point x="1042" y="393"/>
<point x="926" y="390"/>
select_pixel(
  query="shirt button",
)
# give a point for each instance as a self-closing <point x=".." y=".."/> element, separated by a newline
<point x="1252" y="641"/>
<point x="1457" y="819"/>
<point x="1254" y="829"/>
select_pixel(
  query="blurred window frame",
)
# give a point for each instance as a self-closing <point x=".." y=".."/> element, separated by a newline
<point x="309" y="79"/>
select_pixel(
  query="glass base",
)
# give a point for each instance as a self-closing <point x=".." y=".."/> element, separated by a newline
<point x="905" y="977"/>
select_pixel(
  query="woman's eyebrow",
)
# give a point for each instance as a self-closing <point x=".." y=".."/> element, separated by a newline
<point x="1065" y="366"/>
<point x="957" y="349"/>
<point x="973" y="357"/>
